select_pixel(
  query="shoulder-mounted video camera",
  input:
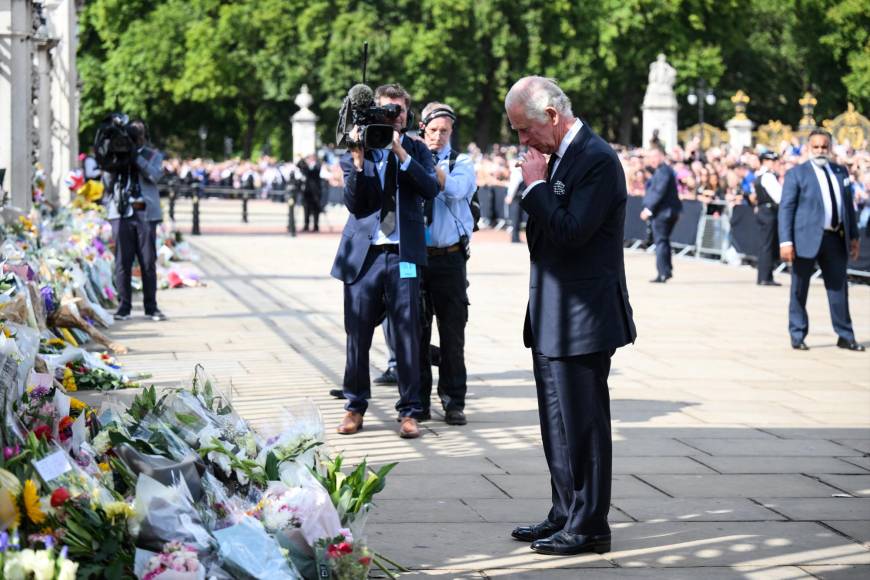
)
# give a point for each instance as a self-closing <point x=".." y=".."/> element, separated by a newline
<point x="375" y="123"/>
<point x="115" y="143"/>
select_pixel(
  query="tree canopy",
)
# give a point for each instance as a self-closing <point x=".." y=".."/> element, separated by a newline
<point x="234" y="67"/>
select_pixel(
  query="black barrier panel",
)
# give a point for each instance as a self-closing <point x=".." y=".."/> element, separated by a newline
<point x="745" y="233"/>
<point x="485" y="196"/>
<point x="686" y="230"/>
<point x="635" y="228"/>
<point x="862" y="264"/>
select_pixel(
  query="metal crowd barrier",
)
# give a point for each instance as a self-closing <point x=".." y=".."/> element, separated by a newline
<point x="712" y="231"/>
<point x="196" y="192"/>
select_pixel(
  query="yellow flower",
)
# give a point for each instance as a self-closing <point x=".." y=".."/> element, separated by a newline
<point x="10" y="515"/>
<point x="69" y="381"/>
<point x="31" y="503"/>
<point x="115" y="509"/>
<point x="76" y="404"/>
<point x="54" y="342"/>
<point x="104" y="467"/>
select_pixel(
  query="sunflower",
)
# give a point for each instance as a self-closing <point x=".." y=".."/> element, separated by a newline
<point x="31" y="503"/>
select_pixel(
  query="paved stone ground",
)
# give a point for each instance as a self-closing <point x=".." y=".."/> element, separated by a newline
<point x="735" y="457"/>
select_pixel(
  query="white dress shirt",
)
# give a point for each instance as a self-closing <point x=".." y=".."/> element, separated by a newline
<point x="826" y="197"/>
<point x="772" y="186"/>
<point x="381" y="156"/>
<point x="563" y="148"/>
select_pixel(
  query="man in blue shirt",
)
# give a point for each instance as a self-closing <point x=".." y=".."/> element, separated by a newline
<point x="448" y="234"/>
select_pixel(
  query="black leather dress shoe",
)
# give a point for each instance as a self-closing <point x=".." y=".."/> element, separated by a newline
<point x="535" y="532"/>
<point x="659" y="280"/>
<point x="850" y="345"/>
<point x="337" y="393"/>
<point x="455" y="417"/>
<point x="388" y="378"/>
<point x="769" y="283"/>
<point x="800" y="345"/>
<point x="565" y="543"/>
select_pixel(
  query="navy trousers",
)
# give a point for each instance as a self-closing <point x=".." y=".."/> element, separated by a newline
<point x="832" y="259"/>
<point x="446" y="298"/>
<point x="661" y="229"/>
<point x="768" y="248"/>
<point x="380" y="292"/>
<point x="135" y="237"/>
<point x="574" y="409"/>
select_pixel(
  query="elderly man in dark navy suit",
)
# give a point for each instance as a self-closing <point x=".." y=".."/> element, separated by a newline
<point x="662" y="206"/>
<point x="381" y="246"/>
<point x="817" y="223"/>
<point x="578" y="312"/>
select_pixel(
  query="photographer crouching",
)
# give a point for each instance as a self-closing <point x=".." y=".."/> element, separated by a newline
<point x="387" y="176"/>
<point x="132" y="169"/>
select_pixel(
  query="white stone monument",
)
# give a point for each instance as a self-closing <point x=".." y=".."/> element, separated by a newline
<point x="739" y="127"/>
<point x="304" y="126"/>
<point x="660" y="104"/>
<point x="61" y="15"/>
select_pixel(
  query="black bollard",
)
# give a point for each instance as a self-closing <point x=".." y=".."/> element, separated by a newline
<point x="172" y="203"/>
<point x="195" y="229"/>
<point x="244" y="208"/>
<point x="291" y="216"/>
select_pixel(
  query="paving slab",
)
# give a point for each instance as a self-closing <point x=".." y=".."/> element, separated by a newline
<point x="838" y="508"/>
<point x="857" y="530"/>
<point x="270" y="325"/>
<point x="858" y="485"/>
<point x="779" y="464"/>
<point x="781" y="485"/>
<point x="696" y="510"/>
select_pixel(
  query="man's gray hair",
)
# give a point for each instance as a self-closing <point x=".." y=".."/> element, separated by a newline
<point x="535" y="94"/>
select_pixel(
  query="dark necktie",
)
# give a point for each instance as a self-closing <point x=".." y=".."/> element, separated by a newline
<point x="388" y="201"/>
<point x="428" y="204"/>
<point x="835" y="214"/>
<point x="551" y="164"/>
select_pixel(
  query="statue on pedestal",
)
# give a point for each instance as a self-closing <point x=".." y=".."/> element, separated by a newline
<point x="660" y="104"/>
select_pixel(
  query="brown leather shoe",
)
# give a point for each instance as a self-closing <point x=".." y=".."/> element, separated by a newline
<point x="409" y="428"/>
<point x="350" y="424"/>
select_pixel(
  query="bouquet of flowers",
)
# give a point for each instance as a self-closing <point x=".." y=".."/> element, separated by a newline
<point x="176" y="561"/>
<point x="44" y="564"/>
<point x="341" y="558"/>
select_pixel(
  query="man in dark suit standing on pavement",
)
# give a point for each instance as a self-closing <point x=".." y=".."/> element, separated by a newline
<point x="578" y="312"/>
<point x="662" y="206"/>
<point x="817" y="223"/>
<point x="382" y="245"/>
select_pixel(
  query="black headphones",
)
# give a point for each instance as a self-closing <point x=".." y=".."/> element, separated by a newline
<point x="439" y="112"/>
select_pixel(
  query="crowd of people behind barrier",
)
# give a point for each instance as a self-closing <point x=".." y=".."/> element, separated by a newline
<point x="716" y="176"/>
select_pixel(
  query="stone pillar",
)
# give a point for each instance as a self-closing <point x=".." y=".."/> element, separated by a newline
<point x="304" y="126"/>
<point x="660" y="104"/>
<point x="61" y="15"/>
<point x="44" y="113"/>
<point x="16" y="120"/>
<point x="739" y="127"/>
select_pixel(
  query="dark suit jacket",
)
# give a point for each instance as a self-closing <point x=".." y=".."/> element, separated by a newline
<point x="802" y="213"/>
<point x="578" y="297"/>
<point x="311" y="188"/>
<point x="661" y="196"/>
<point x="362" y="196"/>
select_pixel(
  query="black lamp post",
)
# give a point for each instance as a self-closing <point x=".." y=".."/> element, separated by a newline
<point x="699" y="96"/>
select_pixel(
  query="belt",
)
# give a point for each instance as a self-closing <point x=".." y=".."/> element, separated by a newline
<point x="444" y="251"/>
<point x="138" y="205"/>
<point x="837" y="232"/>
<point x="386" y="248"/>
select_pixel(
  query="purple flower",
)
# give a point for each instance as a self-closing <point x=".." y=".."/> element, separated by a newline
<point x="10" y="452"/>
<point x="48" y="298"/>
<point x="4" y="541"/>
<point x="63" y="552"/>
<point x="39" y="393"/>
<point x="49" y="542"/>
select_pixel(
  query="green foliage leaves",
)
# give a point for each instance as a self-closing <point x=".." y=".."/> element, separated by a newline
<point x="235" y="66"/>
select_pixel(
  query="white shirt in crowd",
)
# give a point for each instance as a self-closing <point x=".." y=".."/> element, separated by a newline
<point x="771" y="185"/>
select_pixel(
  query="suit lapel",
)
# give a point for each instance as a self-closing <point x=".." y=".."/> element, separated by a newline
<point x="574" y="149"/>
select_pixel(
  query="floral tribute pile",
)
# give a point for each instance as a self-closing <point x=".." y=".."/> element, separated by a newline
<point x="173" y="485"/>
